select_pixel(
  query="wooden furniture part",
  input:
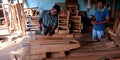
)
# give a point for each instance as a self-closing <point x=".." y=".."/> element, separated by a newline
<point x="14" y="22"/>
<point x="75" y="24"/>
<point x="113" y="31"/>
<point x="55" y="36"/>
<point x="4" y="17"/>
<point x="63" y="23"/>
<point x="117" y="39"/>
<point x="32" y="23"/>
<point x="41" y="46"/>
<point x="35" y="22"/>
<point x="21" y="17"/>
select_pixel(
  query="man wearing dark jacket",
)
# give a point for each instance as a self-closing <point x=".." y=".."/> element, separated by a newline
<point x="49" y="20"/>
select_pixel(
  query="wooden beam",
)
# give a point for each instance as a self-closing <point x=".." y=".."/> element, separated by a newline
<point x="53" y="48"/>
<point x="5" y="16"/>
<point x="56" y="36"/>
<point x="52" y="41"/>
<point x="62" y="54"/>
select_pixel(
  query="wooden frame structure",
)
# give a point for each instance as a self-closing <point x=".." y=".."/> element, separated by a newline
<point x="63" y="23"/>
<point x="113" y="31"/>
<point x="42" y="46"/>
<point x="75" y="24"/>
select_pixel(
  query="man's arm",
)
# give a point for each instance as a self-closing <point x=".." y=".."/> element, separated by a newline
<point x="106" y="21"/>
<point x="54" y="26"/>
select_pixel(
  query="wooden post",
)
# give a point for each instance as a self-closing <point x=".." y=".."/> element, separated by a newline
<point x="43" y="55"/>
<point x="21" y="17"/>
<point x="5" y="16"/>
<point x="62" y="54"/>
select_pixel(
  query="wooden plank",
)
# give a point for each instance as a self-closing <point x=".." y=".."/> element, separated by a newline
<point x="63" y="22"/>
<point x="21" y="17"/>
<point x="110" y="44"/>
<point x="62" y="54"/>
<point x="76" y="31"/>
<point x="43" y="43"/>
<point x="116" y="23"/>
<point x="53" y="48"/>
<point x="14" y="17"/>
<point x="117" y="39"/>
<point x="5" y="16"/>
<point x="112" y="33"/>
<point x="63" y="32"/>
<point x="57" y="36"/>
<point x="76" y="18"/>
<point x="76" y="24"/>
<point x="43" y="56"/>
<point x="18" y="16"/>
<point x="52" y="41"/>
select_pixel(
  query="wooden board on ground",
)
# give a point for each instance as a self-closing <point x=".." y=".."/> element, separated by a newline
<point x="56" y="36"/>
<point x="52" y="41"/>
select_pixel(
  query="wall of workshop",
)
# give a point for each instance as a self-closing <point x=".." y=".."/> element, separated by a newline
<point x="43" y="4"/>
<point x="47" y="4"/>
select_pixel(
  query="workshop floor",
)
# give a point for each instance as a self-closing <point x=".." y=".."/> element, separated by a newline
<point x="89" y="50"/>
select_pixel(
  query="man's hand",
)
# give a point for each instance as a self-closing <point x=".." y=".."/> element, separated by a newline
<point x="93" y="22"/>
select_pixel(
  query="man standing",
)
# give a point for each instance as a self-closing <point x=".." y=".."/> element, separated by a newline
<point x="48" y="20"/>
<point x="101" y="18"/>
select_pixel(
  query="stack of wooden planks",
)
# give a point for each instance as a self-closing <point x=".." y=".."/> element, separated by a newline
<point x="16" y="17"/>
<point x="15" y="20"/>
<point x="75" y="24"/>
<point x="63" y="23"/>
<point x="69" y="23"/>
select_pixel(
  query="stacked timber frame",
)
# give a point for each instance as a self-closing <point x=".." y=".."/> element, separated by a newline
<point x="14" y="18"/>
<point x="114" y="32"/>
<point x="69" y="18"/>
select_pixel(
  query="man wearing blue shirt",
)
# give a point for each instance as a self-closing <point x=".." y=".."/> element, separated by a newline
<point x="49" y="20"/>
<point x="101" y="18"/>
